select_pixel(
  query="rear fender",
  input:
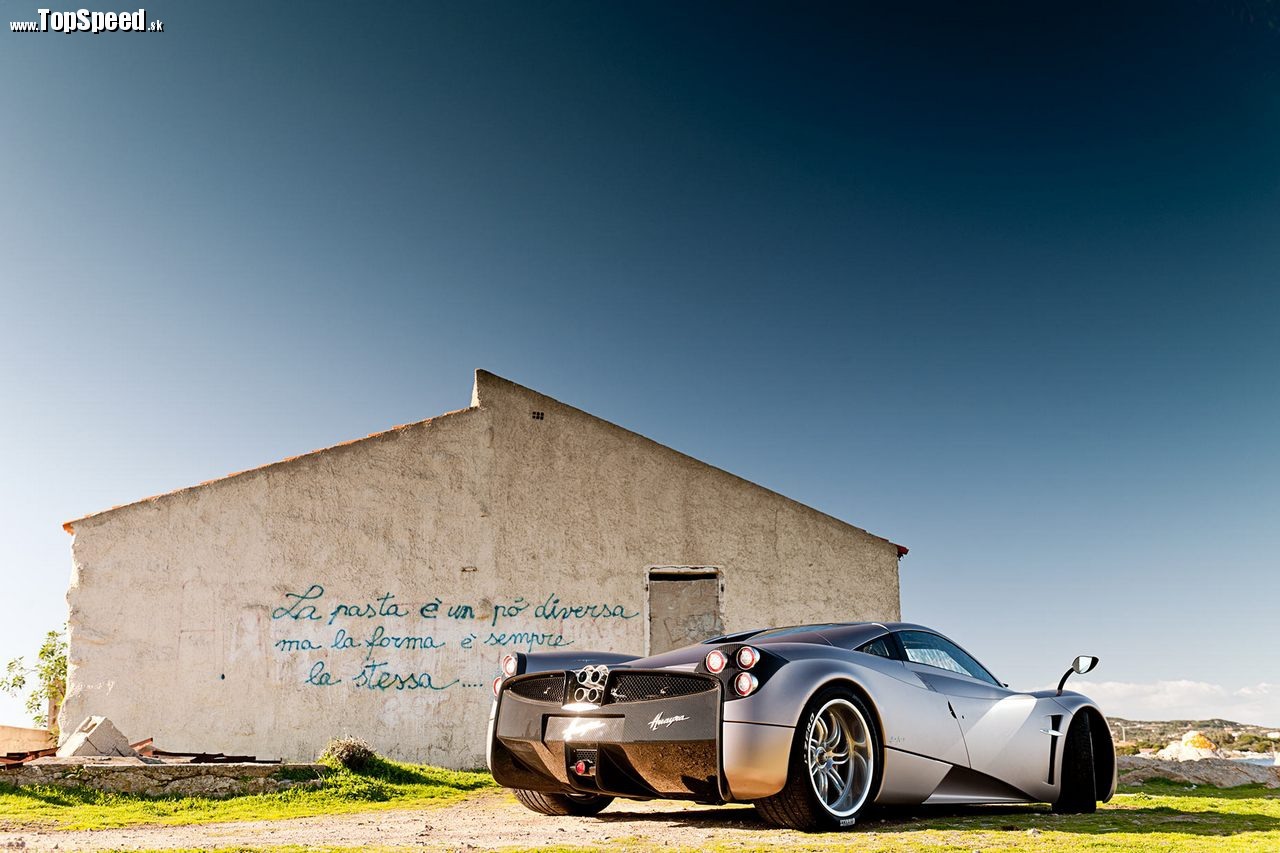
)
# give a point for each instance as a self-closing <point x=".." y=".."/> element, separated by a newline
<point x="910" y="716"/>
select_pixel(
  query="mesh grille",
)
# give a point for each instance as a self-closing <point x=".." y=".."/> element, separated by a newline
<point x="639" y="687"/>
<point x="546" y="688"/>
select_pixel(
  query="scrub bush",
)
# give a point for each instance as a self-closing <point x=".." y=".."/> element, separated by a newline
<point x="352" y="753"/>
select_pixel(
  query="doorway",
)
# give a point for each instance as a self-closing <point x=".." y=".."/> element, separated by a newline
<point x="684" y="606"/>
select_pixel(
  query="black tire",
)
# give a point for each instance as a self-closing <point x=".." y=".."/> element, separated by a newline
<point x="797" y="805"/>
<point x="579" y="805"/>
<point x="1078" y="793"/>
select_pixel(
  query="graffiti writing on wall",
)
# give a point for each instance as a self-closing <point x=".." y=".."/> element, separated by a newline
<point x="382" y="643"/>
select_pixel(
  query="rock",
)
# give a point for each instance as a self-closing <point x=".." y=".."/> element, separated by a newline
<point x="96" y="736"/>
<point x="1193" y="746"/>
<point x="1215" y="772"/>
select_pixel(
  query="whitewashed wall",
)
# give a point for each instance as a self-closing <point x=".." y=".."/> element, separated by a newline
<point x="371" y="588"/>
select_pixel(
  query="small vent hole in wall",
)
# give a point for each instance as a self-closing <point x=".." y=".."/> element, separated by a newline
<point x="537" y="416"/>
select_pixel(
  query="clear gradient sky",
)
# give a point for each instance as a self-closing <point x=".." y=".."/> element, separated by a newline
<point x="1000" y="283"/>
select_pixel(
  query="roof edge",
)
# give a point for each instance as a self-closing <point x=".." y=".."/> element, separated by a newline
<point x="484" y="377"/>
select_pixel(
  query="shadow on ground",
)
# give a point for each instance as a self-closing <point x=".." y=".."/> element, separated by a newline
<point x="1126" y="814"/>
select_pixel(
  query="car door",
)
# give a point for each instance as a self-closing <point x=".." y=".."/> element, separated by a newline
<point x="1004" y="734"/>
<point x="916" y="717"/>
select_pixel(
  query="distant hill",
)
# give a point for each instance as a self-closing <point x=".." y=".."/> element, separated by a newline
<point x="1227" y="734"/>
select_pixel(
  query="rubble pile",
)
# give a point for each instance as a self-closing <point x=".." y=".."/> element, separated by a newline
<point x="97" y="755"/>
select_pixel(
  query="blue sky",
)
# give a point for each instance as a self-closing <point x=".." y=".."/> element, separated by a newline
<point x="1000" y="283"/>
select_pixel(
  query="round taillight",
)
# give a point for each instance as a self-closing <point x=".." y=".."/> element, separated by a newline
<point x="497" y="686"/>
<point x="747" y="657"/>
<point x="745" y="684"/>
<point x="510" y="665"/>
<point x="716" y="662"/>
<point x="580" y="767"/>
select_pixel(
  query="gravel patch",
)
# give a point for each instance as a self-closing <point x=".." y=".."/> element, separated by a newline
<point x="485" y="820"/>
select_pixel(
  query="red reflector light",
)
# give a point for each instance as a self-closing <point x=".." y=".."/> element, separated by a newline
<point x="745" y="684"/>
<point x="747" y="657"/>
<point x="580" y="768"/>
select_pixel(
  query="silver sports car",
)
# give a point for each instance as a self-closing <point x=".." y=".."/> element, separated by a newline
<point x="812" y="724"/>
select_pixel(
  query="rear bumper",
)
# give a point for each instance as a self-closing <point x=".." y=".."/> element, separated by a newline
<point x="672" y="747"/>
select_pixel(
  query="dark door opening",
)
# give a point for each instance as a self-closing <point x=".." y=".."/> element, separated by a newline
<point x="684" y="606"/>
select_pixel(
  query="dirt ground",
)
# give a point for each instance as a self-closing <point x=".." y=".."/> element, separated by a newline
<point x="490" y="819"/>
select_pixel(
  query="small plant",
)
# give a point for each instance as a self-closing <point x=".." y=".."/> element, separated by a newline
<point x="352" y="753"/>
<point x="50" y="674"/>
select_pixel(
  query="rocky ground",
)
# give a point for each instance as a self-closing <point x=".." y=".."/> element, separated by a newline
<point x="1215" y="772"/>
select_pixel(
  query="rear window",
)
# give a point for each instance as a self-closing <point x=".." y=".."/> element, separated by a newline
<point x="880" y="648"/>
<point x="794" y="629"/>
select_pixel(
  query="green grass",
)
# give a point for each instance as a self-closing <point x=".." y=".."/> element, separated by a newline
<point x="1155" y="816"/>
<point x="382" y="785"/>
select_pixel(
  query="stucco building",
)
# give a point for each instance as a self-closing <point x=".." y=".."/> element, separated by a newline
<point x="370" y="588"/>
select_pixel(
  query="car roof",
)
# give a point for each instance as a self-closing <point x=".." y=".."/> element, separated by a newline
<point x="844" y="634"/>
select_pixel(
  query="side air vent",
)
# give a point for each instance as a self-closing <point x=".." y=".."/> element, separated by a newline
<point x="1054" y="722"/>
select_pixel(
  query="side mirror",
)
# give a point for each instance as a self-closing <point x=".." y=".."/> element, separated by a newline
<point x="1082" y="664"/>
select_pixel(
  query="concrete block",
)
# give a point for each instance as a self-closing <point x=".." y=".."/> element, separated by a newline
<point x="96" y="736"/>
<point x="17" y="739"/>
